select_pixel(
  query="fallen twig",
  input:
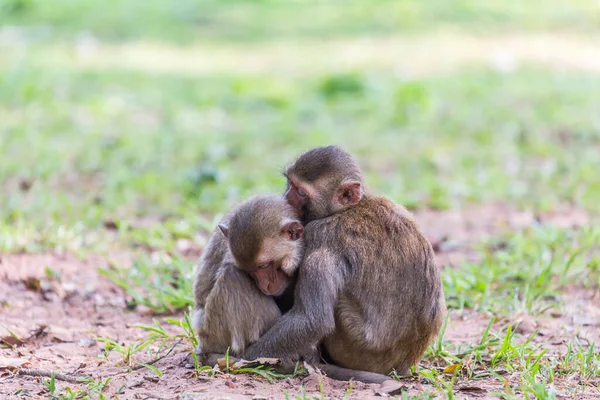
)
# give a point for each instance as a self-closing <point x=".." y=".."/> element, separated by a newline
<point x="48" y="374"/>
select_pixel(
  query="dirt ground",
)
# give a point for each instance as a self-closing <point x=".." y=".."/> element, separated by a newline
<point x="57" y="321"/>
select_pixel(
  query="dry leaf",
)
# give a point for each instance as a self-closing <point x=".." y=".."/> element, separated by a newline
<point x="222" y="363"/>
<point x="265" y="361"/>
<point x="32" y="283"/>
<point x="8" y="370"/>
<point x="236" y="364"/>
<point x="451" y="369"/>
<point x="11" y="341"/>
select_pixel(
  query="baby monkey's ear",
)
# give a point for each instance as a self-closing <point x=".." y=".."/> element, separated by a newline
<point x="292" y="230"/>
<point x="224" y="229"/>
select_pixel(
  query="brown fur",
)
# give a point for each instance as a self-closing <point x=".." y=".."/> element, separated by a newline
<point x="368" y="287"/>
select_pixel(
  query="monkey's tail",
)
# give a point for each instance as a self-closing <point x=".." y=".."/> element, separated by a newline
<point x="345" y="374"/>
<point x="332" y="371"/>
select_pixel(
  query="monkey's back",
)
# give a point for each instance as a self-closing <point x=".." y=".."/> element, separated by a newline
<point x="213" y="256"/>
<point x="392" y="304"/>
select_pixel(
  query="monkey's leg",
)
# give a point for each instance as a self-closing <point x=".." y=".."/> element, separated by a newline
<point x="197" y="324"/>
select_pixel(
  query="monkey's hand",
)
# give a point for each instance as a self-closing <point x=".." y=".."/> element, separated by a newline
<point x="311" y="357"/>
<point x="311" y="318"/>
<point x="254" y="352"/>
<point x="272" y="345"/>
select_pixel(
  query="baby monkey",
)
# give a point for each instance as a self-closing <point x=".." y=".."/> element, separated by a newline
<point x="243" y="273"/>
<point x="245" y="279"/>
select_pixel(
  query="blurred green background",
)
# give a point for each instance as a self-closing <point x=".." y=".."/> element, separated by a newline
<point x="151" y="117"/>
<point x="127" y="127"/>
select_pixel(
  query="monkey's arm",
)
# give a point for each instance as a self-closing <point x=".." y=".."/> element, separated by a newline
<point x="311" y="319"/>
<point x="204" y="281"/>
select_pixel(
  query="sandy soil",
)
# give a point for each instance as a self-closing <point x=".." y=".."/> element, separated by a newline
<point x="57" y="320"/>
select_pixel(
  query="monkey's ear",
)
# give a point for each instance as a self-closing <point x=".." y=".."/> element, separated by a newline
<point x="292" y="230"/>
<point x="350" y="193"/>
<point x="224" y="229"/>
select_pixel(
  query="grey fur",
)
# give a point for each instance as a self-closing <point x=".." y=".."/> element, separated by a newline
<point x="368" y="287"/>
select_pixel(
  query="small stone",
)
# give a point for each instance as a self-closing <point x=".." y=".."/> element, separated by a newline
<point x="85" y="342"/>
<point x="230" y="384"/>
<point x="526" y="326"/>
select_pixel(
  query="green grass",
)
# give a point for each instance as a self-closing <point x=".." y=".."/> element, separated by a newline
<point x="188" y="20"/>
<point x="523" y="368"/>
<point x="524" y="272"/>
<point x="163" y="285"/>
<point x="89" y="389"/>
<point x="159" y="155"/>
<point x="528" y="273"/>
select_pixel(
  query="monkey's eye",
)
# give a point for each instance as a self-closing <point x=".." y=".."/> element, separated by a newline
<point x="264" y="266"/>
<point x="301" y="192"/>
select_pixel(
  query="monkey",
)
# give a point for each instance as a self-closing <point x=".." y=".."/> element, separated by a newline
<point x="237" y="284"/>
<point x="368" y="288"/>
<point x="249" y="264"/>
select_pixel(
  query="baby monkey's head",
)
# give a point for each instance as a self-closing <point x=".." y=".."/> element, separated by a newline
<point x="265" y="239"/>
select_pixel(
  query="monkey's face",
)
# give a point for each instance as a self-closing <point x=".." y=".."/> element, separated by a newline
<point x="297" y="197"/>
<point x="275" y="261"/>
<point x="322" y="198"/>
<point x="305" y="198"/>
<point x="270" y="279"/>
<point x="323" y="181"/>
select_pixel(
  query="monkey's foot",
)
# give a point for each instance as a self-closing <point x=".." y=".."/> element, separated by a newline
<point x="389" y="387"/>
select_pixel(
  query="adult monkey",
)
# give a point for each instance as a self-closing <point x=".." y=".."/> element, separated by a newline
<point x="368" y="287"/>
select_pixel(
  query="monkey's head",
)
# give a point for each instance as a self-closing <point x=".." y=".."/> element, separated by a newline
<point x="322" y="182"/>
<point x="265" y="239"/>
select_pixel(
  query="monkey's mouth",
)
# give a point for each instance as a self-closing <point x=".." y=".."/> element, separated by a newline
<point x="271" y="282"/>
<point x="269" y="292"/>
